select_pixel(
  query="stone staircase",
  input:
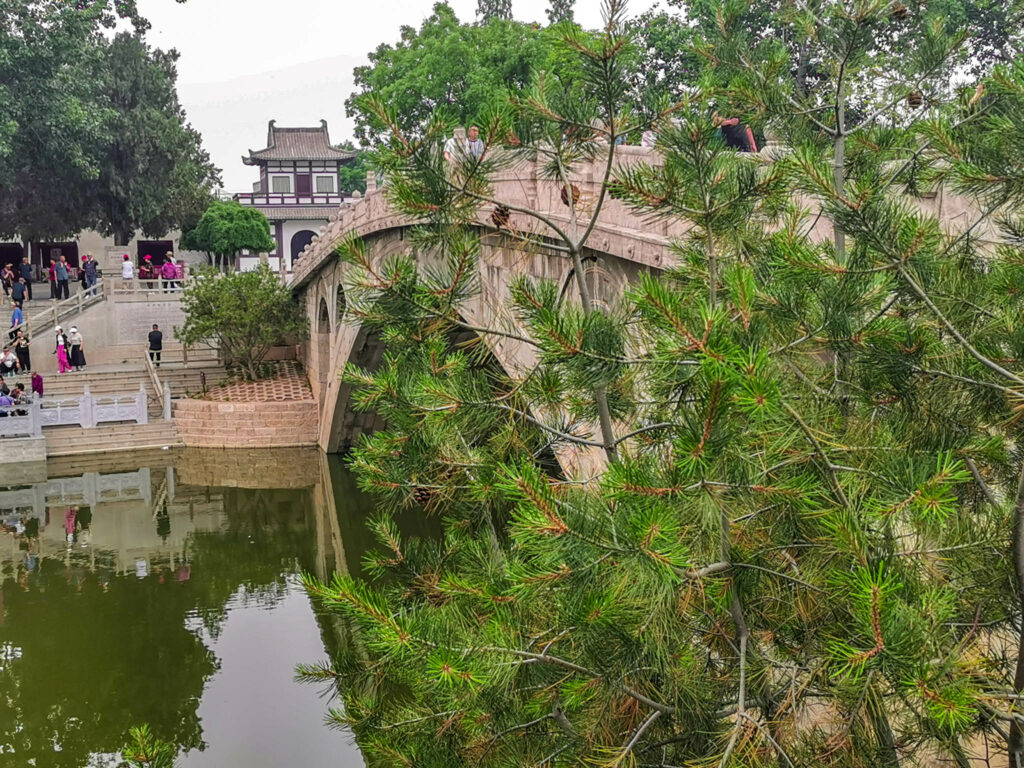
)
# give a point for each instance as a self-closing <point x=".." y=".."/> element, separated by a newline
<point x="75" y="441"/>
<point x="102" y="380"/>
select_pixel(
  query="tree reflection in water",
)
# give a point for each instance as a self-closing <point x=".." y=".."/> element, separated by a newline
<point x="92" y="644"/>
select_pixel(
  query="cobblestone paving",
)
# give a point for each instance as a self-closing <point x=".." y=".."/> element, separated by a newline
<point x="288" y="385"/>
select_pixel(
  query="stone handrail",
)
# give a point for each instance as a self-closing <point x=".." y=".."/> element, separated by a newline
<point x="28" y="419"/>
<point x="619" y="231"/>
<point x="90" y="489"/>
<point x="56" y="313"/>
<point x="134" y="287"/>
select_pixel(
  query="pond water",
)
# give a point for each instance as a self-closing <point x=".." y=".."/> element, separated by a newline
<point x="166" y="590"/>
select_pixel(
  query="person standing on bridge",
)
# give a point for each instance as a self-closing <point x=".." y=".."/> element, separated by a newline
<point x="21" y="350"/>
<point x="26" y="275"/>
<point x="168" y="272"/>
<point x="60" y="270"/>
<point x="156" y="344"/>
<point x="127" y="271"/>
<point x="91" y="275"/>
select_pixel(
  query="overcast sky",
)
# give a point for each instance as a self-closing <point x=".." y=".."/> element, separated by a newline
<point x="244" y="62"/>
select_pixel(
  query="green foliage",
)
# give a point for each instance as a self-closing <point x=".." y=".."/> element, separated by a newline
<point x="244" y="314"/>
<point x="352" y="176"/>
<point x="457" y="69"/>
<point x="92" y="134"/>
<point x="560" y="10"/>
<point x="155" y="176"/>
<point x="487" y="10"/>
<point x="800" y="532"/>
<point x="144" y="750"/>
<point x="227" y="227"/>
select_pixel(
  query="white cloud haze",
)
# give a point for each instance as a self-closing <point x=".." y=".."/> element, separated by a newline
<point x="244" y="62"/>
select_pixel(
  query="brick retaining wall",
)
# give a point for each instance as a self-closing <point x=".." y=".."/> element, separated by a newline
<point x="208" y="424"/>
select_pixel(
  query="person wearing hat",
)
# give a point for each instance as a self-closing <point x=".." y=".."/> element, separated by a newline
<point x="146" y="270"/>
<point x="61" y="351"/>
<point x="77" y="357"/>
<point x="127" y="269"/>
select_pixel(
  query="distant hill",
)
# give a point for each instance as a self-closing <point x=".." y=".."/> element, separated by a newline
<point x="232" y="115"/>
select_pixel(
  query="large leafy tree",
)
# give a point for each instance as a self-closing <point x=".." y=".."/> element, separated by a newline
<point x="227" y="227"/>
<point x="155" y="175"/>
<point x="560" y="10"/>
<point x="781" y="561"/>
<point x="487" y="10"/>
<point x="92" y="134"/>
<point x="459" y="69"/>
<point x="243" y="314"/>
<point x="352" y="176"/>
<point x="53" y="130"/>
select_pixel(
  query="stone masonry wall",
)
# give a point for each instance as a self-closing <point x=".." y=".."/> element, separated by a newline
<point x="208" y="424"/>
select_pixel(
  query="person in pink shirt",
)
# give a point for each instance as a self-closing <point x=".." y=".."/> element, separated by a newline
<point x="169" y="273"/>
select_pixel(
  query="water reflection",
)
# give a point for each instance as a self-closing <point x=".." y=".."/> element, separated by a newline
<point x="168" y="594"/>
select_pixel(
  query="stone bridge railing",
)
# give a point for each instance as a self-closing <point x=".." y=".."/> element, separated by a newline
<point x="88" y="489"/>
<point x="88" y="410"/>
<point x="619" y="231"/>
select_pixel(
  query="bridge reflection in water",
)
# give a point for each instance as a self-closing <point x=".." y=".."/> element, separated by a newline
<point x="168" y="593"/>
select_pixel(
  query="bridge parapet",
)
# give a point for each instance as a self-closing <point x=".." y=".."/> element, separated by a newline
<point x="624" y="243"/>
<point x="619" y="231"/>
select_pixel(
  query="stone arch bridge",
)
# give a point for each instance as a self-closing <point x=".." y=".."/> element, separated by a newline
<point x="620" y="247"/>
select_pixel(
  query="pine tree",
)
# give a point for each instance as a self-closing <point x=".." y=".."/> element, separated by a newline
<point x="778" y="564"/>
<point x="560" y="10"/>
<point x="493" y="9"/>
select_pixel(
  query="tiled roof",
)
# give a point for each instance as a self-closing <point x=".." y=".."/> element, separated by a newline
<point x="282" y="212"/>
<point x="297" y="144"/>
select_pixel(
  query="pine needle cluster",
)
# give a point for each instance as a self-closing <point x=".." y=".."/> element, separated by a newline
<point x="805" y="542"/>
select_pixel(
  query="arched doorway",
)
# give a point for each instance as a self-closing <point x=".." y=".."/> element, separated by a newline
<point x="300" y="240"/>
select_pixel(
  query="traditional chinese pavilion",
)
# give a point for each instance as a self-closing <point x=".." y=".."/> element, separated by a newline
<point x="298" y="189"/>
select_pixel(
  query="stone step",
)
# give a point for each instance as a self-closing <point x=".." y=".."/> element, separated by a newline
<point x="111" y="430"/>
<point x="70" y="441"/>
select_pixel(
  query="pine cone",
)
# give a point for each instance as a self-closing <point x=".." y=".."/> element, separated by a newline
<point x="500" y="216"/>
<point x="915" y="99"/>
<point x="575" y="195"/>
<point x="421" y="494"/>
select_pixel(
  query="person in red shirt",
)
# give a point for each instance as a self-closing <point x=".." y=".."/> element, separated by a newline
<point x="169" y="273"/>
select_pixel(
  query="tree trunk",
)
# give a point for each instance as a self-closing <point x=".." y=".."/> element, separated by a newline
<point x="603" y="412"/>
<point x="123" y="236"/>
<point x="1015" y="745"/>
<point x="801" y="71"/>
<point x="839" y="181"/>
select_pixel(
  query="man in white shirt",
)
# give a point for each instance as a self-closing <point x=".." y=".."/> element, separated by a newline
<point x="460" y="144"/>
<point x="8" y="361"/>
<point x="475" y="145"/>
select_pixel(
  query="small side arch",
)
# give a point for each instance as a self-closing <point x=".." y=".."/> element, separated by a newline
<point x="323" y="317"/>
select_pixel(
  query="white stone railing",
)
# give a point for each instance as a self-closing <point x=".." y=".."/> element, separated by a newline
<point x="58" y="312"/>
<point x="139" y="287"/>
<point x="29" y="419"/>
<point x="87" y="489"/>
